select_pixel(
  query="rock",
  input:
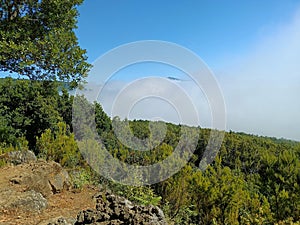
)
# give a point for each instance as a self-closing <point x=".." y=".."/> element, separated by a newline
<point x="59" y="221"/>
<point x="30" y="201"/>
<point x="19" y="157"/>
<point x="114" y="210"/>
<point x="44" y="177"/>
<point x="59" y="178"/>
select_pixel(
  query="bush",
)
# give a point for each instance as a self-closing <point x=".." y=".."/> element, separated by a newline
<point x="80" y="178"/>
<point x="59" y="145"/>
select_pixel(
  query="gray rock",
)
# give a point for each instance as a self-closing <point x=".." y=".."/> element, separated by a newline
<point x="59" y="181"/>
<point x="44" y="177"/>
<point x="31" y="201"/>
<point x="19" y="157"/>
<point x="115" y="210"/>
<point x="59" y="221"/>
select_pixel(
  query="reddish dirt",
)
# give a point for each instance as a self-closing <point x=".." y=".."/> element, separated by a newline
<point x="66" y="204"/>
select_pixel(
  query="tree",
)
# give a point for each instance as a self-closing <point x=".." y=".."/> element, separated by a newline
<point x="65" y="104"/>
<point x="37" y="40"/>
<point x="221" y="196"/>
<point x="27" y="109"/>
<point x="280" y="178"/>
<point x="103" y="122"/>
<point x="175" y="191"/>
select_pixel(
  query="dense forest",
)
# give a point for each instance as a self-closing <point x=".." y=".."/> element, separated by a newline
<point x="253" y="180"/>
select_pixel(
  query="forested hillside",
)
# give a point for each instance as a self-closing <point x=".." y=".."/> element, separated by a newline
<point x="253" y="180"/>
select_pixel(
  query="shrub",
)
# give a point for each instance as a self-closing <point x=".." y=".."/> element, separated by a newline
<point x="59" y="145"/>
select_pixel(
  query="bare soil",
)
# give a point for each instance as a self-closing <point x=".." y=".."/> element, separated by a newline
<point x="65" y="204"/>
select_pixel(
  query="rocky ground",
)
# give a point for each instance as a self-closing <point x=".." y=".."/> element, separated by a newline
<point x="113" y="210"/>
<point x="38" y="192"/>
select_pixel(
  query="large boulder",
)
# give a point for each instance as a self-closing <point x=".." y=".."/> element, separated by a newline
<point x="30" y="201"/>
<point x="44" y="177"/>
<point x="115" y="210"/>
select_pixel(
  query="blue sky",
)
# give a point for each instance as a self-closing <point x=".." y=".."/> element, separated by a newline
<point x="252" y="47"/>
<point x="213" y="29"/>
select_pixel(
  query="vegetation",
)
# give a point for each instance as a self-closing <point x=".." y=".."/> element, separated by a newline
<point x="253" y="180"/>
<point x="37" y="40"/>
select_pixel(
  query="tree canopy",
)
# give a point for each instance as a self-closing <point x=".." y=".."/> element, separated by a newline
<point x="37" y="40"/>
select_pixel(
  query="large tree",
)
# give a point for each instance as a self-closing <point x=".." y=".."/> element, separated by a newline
<point x="37" y="40"/>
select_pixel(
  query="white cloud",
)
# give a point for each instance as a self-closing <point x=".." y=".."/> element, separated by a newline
<point x="262" y="88"/>
<point x="156" y="98"/>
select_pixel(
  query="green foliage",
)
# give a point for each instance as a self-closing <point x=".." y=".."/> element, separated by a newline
<point x="280" y="179"/>
<point x="222" y="196"/>
<point x="27" y="109"/>
<point x="103" y="122"/>
<point x="238" y="188"/>
<point x="37" y="40"/>
<point x="80" y="178"/>
<point x="83" y="118"/>
<point x="289" y="221"/>
<point x="185" y="216"/>
<point x="7" y="133"/>
<point x="59" y="145"/>
<point x="21" y="144"/>
<point x="64" y="107"/>
<point x="4" y="148"/>
<point x="175" y="191"/>
<point x="143" y="195"/>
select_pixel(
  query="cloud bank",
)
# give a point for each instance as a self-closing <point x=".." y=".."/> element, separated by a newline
<point x="262" y="88"/>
